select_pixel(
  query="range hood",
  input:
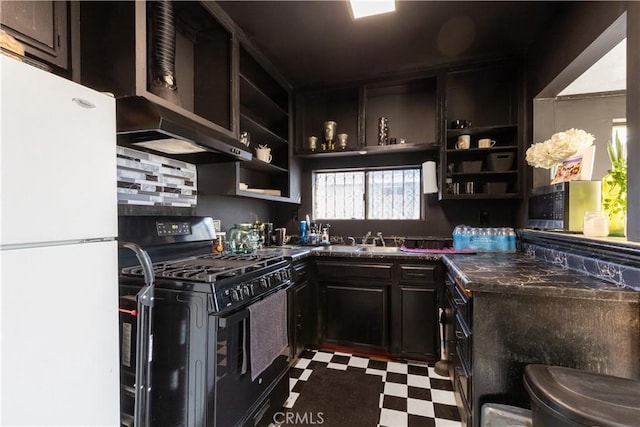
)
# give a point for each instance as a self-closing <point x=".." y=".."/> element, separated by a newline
<point x="145" y="125"/>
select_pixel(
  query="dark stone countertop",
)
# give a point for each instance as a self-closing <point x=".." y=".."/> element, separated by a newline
<point x="515" y="273"/>
<point x="333" y="251"/>
<point x="518" y="273"/>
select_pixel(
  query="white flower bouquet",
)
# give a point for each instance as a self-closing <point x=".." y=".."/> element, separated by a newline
<point x="561" y="146"/>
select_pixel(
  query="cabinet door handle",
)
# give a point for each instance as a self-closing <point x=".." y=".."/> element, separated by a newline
<point x="461" y="335"/>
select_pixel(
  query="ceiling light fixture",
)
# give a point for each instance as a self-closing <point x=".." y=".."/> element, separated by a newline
<point x="363" y="8"/>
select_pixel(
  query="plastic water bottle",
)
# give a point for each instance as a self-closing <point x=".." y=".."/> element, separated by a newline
<point x="512" y="240"/>
<point x="465" y="237"/>
<point x="457" y="237"/>
<point x="303" y="232"/>
<point x="474" y="239"/>
<point x="492" y="243"/>
<point x="503" y="239"/>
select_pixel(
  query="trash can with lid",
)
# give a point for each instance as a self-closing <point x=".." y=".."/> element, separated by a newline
<point x="563" y="397"/>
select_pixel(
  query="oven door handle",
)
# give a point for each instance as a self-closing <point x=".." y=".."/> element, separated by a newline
<point x="144" y="356"/>
<point x="144" y="338"/>
<point x="241" y="316"/>
<point x="232" y="319"/>
<point x="143" y="259"/>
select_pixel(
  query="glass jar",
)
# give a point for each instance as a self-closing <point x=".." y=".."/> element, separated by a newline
<point x="243" y="239"/>
<point x="596" y="224"/>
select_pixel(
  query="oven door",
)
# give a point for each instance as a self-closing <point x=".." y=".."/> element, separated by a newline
<point x="238" y="399"/>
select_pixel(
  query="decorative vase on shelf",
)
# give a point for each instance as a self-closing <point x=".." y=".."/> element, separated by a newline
<point x="614" y="189"/>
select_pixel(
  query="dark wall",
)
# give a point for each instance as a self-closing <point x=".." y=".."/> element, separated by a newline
<point x="439" y="217"/>
<point x="565" y="39"/>
<point x="233" y="210"/>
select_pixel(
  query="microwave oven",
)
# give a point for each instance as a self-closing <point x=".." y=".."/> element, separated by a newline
<point x="562" y="206"/>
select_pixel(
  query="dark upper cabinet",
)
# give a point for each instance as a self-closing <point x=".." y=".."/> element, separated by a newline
<point x="490" y="97"/>
<point x="410" y="107"/>
<point x="41" y="27"/>
<point x="314" y="108"/>
<point x="223" y="84"/>
<point x="115" y="39"/>
<point x="264" y="113"/>
<point x="409" y="104"/>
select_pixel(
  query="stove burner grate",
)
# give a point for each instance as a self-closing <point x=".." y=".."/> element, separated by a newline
<point x="209" y="267"/>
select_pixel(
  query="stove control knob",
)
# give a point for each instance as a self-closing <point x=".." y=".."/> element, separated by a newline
<point x="245" y="291"/>
<point x="241" y="291"/>
<point x="249" y="288"/>
<point x="264" y="283"/>
<point x="234" y="295"/>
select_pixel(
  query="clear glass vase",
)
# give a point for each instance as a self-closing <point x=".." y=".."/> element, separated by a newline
<point x="617" y="216"/>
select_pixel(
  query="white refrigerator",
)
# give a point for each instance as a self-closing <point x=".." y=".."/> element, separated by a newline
<point x="58" y="252"/>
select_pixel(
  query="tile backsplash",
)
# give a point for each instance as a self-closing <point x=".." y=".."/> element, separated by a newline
<point x="149" y="179"/>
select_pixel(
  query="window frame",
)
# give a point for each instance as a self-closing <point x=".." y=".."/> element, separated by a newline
<point x="421" y="207"/>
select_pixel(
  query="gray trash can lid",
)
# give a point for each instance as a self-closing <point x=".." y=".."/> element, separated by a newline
<point x="585" y="397"/>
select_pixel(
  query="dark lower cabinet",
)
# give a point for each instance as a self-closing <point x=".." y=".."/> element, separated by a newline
<point x="415" y="310"/>
<point x="356" y="314"/>
<point x="304" y="317"/>
<point x="303" y="311"/>
<point x="384" y="304"/>
<point x="418" y="315"/>
<point x="460" y="348"/>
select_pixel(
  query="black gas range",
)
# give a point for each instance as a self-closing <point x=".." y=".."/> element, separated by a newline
<point x="200" y="332"/>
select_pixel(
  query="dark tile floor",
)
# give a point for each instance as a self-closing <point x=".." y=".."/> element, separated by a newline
<point x="413" y="395"/>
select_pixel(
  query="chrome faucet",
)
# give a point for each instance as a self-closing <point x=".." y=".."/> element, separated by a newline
<point x="352" y="240"/>
<point x="381" y="238"/>
<point x="366" y="236"/>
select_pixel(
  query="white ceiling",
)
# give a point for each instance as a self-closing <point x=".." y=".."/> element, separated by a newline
<point x="607" y="75"/>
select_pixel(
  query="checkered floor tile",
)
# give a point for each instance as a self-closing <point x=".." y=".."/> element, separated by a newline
<point x="414" y="395"/>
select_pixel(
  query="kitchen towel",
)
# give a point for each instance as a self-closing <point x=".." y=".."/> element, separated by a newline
<point x="429" y="179"/>
<point x="268" y="331"/>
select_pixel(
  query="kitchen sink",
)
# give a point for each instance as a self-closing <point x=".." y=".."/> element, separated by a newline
<point x="336" y="248"/>
<point x="379" y="249"/>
